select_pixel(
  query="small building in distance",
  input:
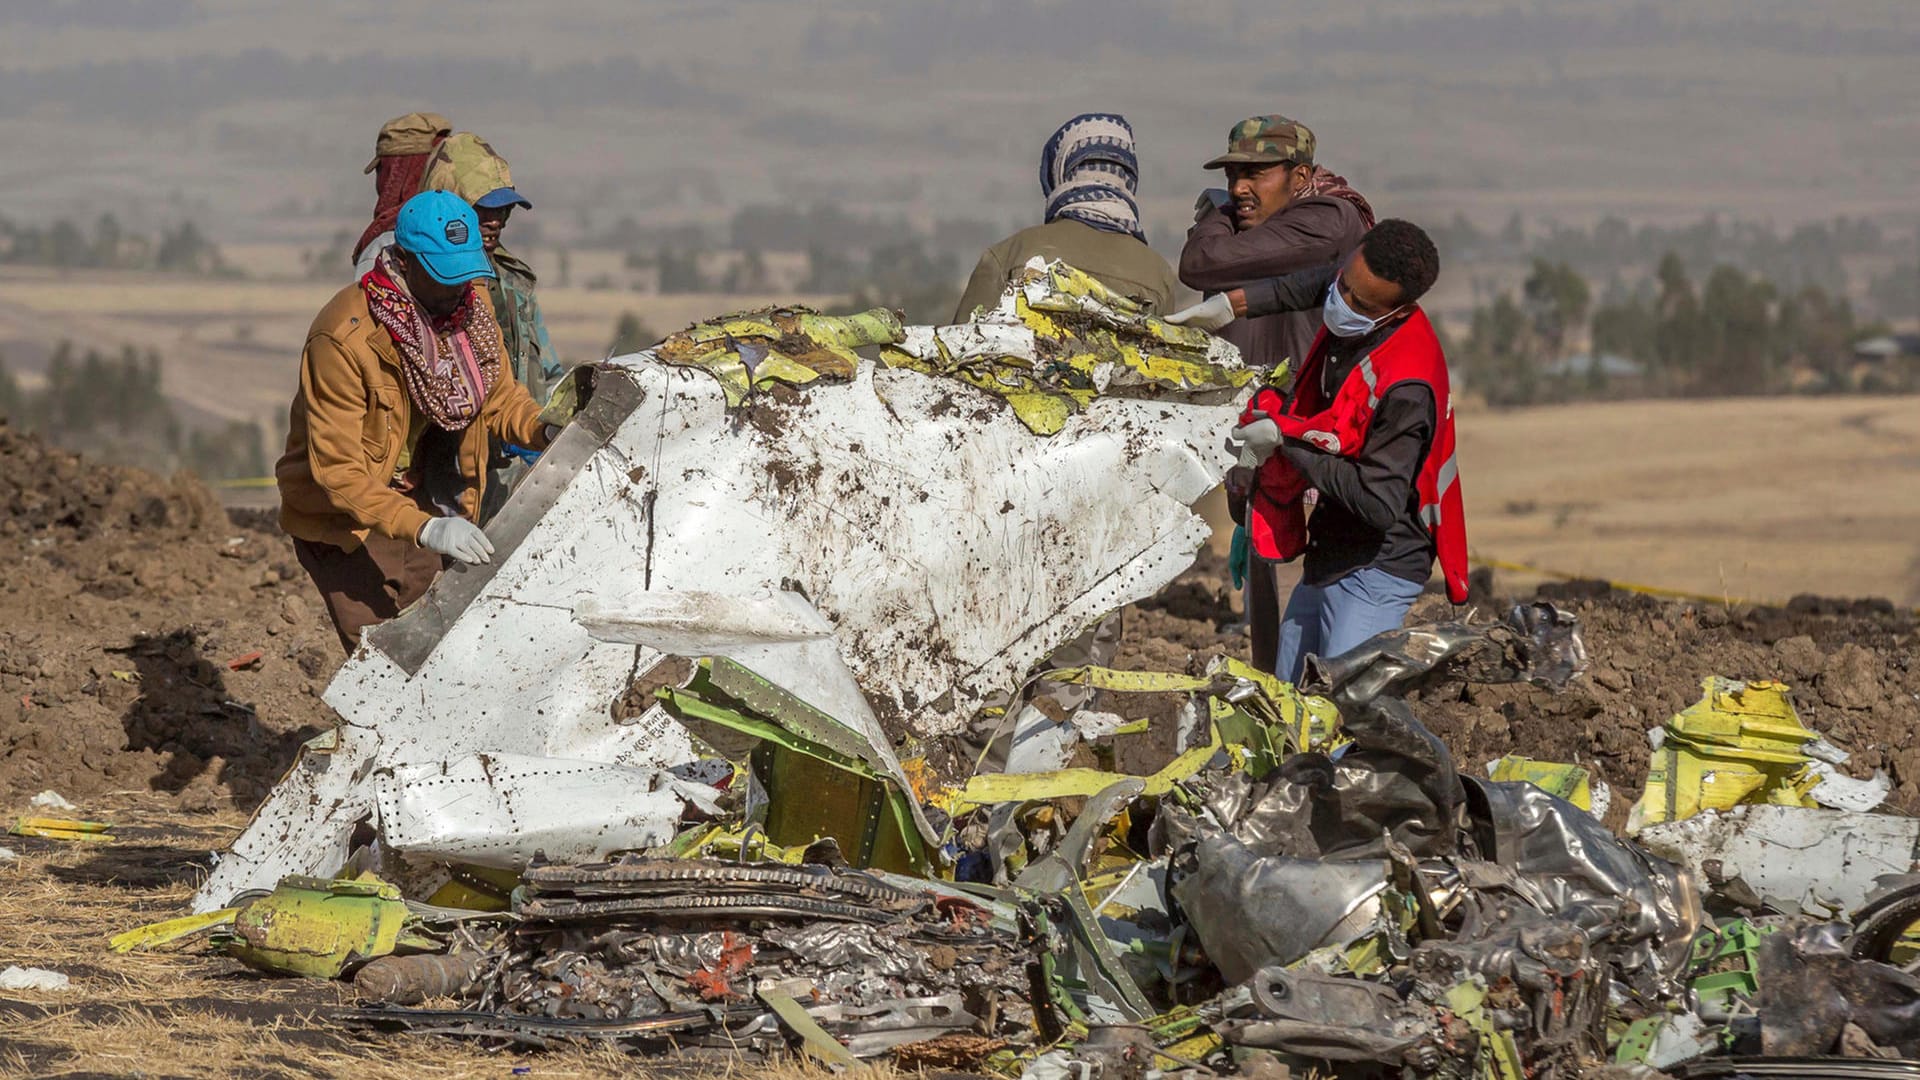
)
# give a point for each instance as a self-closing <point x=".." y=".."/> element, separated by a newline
<point x="1886" y="363"/>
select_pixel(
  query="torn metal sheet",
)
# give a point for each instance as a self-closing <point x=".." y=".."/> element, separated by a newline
<point x="1811" y="990"/>
<point x="1570" y="782"/>
<point x="1830" y="859"/>
<point x="779" y="637"/>
<point x="753" y="350"/>
<point x="1393" y="783"/>
<point x="316" y="928"/>
<point x="847" y="961"/>
<point x="883" y="500"/>
<point x="500" y="810"/>
<point x="1251" y="911"/>
<point x="1583" y="872"/>
<point x="1742" y="742"/>
<point x="1332" y="1019"/>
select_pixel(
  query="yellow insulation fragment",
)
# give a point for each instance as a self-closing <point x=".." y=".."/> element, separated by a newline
<point x="1742" y="742"/>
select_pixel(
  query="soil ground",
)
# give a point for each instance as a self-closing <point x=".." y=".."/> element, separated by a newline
<point x="152" y="643"/>
<point x="129" y="683"/>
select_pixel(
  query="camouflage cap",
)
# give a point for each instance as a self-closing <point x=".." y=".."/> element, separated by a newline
<point x="1262" y="140"/>
<point x="465" y="165"/>
<point x="414" y="133"/>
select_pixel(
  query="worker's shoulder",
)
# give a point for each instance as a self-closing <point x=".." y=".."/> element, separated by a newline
<point x="344" y="320"/>
<point x="1331" y="212"/>
<point x="1095" y="251"/>
<point x="514" y="269"/>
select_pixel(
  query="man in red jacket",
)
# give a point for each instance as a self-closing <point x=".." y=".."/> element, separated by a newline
<point x="1369" y="424"/>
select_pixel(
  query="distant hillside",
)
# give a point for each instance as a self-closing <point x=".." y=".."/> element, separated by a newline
<point x="257" y="118"/>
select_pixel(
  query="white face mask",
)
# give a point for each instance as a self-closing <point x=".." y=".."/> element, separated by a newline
<point x="1344" y="322"/>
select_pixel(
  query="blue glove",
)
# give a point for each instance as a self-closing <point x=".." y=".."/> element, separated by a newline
<point x="1239" y="556"/>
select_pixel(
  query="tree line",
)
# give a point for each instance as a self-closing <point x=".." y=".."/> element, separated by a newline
<point x="181" y="248"/>
<point x="1733" y="334"/>
<point x="876" y="261"/>
<point x="1811" y="253"/>
<point x="112" y="409"/>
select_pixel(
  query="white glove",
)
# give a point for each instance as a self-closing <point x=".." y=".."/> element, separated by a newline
<point x="1213" y="198"/>
<point x="457" y="537"/>
<point x="1255" y="441"/>
<point x="1210" y="314"/>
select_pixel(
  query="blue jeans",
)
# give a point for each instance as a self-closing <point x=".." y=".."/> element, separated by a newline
<point x="1327" y="620"/>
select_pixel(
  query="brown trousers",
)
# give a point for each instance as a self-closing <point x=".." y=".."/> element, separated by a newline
<point x="368" y="585"/>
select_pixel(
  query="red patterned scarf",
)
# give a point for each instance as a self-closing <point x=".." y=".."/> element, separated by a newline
<point x="1321" y="181"/>
<point x="450" y="364"/>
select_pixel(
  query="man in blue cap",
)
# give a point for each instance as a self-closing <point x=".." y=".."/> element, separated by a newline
<point x="467" y="166"/>
<point x="402" y="381"/>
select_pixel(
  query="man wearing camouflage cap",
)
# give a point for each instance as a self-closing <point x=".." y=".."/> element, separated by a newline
<point x="1280" y="212"/>
<point x="467" y="166"/>
<point x="400" y="155"/>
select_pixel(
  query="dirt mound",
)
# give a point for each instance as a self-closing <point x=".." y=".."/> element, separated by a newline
<point x="1851" y="667"/>
<point x="43" y="490"/>
<point x="134" y="606"/>
<point x="1851" y="664"/>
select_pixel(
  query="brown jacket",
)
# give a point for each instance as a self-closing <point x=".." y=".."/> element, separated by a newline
<point x="349" y="422"/>
<point x="1120" y="262"/>
<point x="1316" y="231"/>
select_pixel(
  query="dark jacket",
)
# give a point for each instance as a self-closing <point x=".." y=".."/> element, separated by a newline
<point x="523" y="332"/>
<point x="1316" y="231"/>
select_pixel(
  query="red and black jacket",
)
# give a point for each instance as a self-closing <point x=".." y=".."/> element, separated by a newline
<point x="1276" y="519"/>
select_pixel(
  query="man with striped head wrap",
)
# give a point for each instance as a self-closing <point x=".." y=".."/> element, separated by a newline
<point x="1089" y="175"/>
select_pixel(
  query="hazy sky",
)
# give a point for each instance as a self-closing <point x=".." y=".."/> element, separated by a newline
<point x="226" y="110"/>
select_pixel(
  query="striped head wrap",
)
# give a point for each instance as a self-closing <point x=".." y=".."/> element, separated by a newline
<point x="1088" y="172"/>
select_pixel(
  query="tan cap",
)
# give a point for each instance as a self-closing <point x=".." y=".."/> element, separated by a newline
<point x="465" y="165"/>
<point x="414" y="133"/>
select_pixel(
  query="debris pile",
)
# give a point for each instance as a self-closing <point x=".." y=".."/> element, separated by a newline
<point x="664" y="952"/>
<point x="690" y="765"/>
<point x="1059" y="339"/>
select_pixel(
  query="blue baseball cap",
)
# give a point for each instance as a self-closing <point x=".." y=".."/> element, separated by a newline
<point x="440" y="230"/>
<point x="499" y="197"/>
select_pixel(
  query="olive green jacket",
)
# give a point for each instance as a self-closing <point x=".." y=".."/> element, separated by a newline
<point x="1120" y="262"/>
<point x="523" y="332"/>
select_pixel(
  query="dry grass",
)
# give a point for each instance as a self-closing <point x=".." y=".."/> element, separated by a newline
<point x="180" y="1011"/>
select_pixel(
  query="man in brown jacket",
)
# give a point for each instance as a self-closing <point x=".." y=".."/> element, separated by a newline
<point x="401" y="382"/>
<point x="1279" y="213"/>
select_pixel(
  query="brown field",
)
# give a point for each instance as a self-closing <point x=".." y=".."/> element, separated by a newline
<point x="232" y="348"/>
<point x="1757" y="499"/>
